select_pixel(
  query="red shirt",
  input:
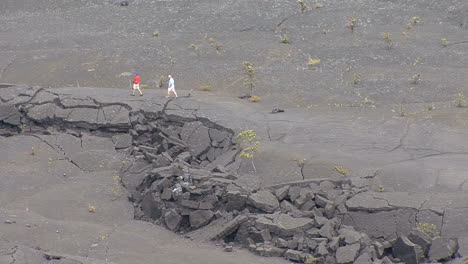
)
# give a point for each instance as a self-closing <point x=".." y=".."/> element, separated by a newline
<point x="137" y="79"/>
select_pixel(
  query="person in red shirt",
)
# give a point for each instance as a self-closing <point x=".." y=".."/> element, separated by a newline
<point x="136" y="84"/>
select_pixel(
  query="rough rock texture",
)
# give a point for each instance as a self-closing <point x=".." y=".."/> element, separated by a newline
<point x="441" y="249"/>
<point x="347" y="254"/>
<point x="264" y="200"/>
<point x="407" y="251"/>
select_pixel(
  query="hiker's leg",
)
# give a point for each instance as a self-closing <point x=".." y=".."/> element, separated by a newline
<point x="175" y="93"/>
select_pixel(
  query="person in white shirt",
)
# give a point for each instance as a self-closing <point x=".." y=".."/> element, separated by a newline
<point x="171" y="87"/>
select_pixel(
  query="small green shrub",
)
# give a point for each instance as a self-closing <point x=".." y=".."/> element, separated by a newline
<point x="444" y="42"/>
<point x="302" y="5"/>
<point x="352" y="24"/>
<point x="415" y="20"/>
<point x="428" y="228"/>
<point x="33" y="151"/>
<point x="459" y="100"/>
<point x="206" y="88"/>
<point x="254" y="99"/>
<point x="356" y="78"/>
<point x="415" y="78"/>
<point x="249" y="72"/>
<point x="245" y="140"/>
<point x="341" y="170"/>
<point x="155" y="34"/>
<point x="285" y="39"/>
<point x="387" y="37"/>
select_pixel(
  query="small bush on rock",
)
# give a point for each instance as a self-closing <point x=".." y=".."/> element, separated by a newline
<point x="246" y="141"/>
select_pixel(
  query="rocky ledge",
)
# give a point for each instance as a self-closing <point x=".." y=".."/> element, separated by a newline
<point x="180" y="172"/>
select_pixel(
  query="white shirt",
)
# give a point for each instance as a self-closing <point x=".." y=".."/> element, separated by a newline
<point x="171" y="83"/>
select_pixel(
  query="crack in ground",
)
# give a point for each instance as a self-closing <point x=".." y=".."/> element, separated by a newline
<point x="402" y="139"/>
<point x="8" y="65"/>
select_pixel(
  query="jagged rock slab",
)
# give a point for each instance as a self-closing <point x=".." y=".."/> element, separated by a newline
<point x="264" y="200"/>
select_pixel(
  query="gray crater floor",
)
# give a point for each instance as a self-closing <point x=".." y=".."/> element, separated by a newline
<point x="65" y="199"/>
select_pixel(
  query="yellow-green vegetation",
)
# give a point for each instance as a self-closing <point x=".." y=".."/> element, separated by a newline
<point x="206" y="88"/>
<point x="318" y="5"/>
<point x="215" y="45"/>
<point x="285" y="39"/>
<point x="444" y="42"/>
<point x="194" y="47"/>
<point x="255" y="99"/>
<point x="155" y="34"/>
<point x="401" y="110"/>
<point x="249" y="72"/>
<point x="459" y="100"/>
<point x="143" y="86"/>
<point x="302" y="5"/>
<point x="249" y="146"/>
<point x="161" y="84"/>
<point x="356" y="78"/>
<point x="381" y="188"/>
<point x="415" y="20"/>
<point x="428" y="228"/>
<point x="116" y="189"/>
<point x="91" y="209"/>
<point x="312" y="260"/>
<point x="430" y="107"/>
<point x="33" y="151"/>
<point x="301" y="162"/>
<point x="415" y="78"/>
<point x="387" y="37"/>
<point x="313" y="63"/>
<point x="341" y="170"/>
<point x="352" y="24"/>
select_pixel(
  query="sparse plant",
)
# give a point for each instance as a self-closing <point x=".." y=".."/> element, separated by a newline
<point x="245" y="140"/>
<point x="313" y="63"/>
<point x="194" y="47"/>
<point x="428" y="228"/>
<point x="318" y="5"/>
<point x="352" y="24"/>
<point x="161" y="85"/>
<point x="143" y="86"/>
<point x="301" y="163"/>
<point x="444" y="42"/>
<point x="91" y="209"/>
<point x="249" y="72"/>
<point x="285" y="39"/>
<point x="311" y="260"/>
<point x="387" y="37"/>
<point x="206" y="88"/>
<point x="381" y="188"/>
<point x="215" y="45"/>
<point x="254" y="99"/>
<point x="155" y="34"/>
<point x="33" y="151"/>
<point x="417" y="61"/>
<point x="415" y="20"/>
<point x="302" y="5"/>
<point x="459" y="100"/>
<point x="415" y="78"/>
<point x="116" y="189"/>
<point x="341" y="170"/>
<point x="356" y="78"/>
<point x="401" y="110"/>
<point x="430" y="107"/>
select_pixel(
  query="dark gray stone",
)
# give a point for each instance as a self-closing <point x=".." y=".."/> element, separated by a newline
<point x="282" y="192"/>
<point x="322" y="249"/>
<point x="230" y="227"/>
<point x="321" y="201"/>
<point x="327" y="230"/>
<point x="421" y="239"/>
<point x="407" y="251"/>
<point x="195" y="134"/>
<point x="172" y="220"/>
<point x="463" y="246"/>
<point x="307" y="206"/>
<point x="294" y="193"/>
<point x="441" y="249"/>
<point x="264" y="200"/>
<point x="152" y="206"/>
<point x="363" y="259"/>
<point x="347" y="254"/>
<point x="350" y="235"/>
<point x="294" y="255"/>
<point x="200" y="218"/>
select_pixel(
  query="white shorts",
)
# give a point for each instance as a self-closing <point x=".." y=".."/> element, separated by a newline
<point x="171" y="89"/>
<point x="136" y="86"/>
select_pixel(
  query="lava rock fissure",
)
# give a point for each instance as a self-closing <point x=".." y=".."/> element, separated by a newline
<point x="178" y="174"/>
